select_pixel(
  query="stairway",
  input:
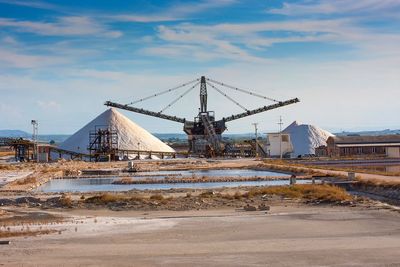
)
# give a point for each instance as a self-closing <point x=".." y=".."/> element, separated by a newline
<point x="212" y="136"/>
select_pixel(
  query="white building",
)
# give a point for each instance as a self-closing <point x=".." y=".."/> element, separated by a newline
<point x="278" y="143"/>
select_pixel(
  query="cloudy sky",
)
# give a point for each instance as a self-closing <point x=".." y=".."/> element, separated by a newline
<point x="60" y="62"/>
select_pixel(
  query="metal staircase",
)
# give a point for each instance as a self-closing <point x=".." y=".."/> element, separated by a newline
<point x="210" y="132"/>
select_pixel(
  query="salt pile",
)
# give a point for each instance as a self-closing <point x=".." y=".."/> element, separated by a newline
<point x="305" y="138"/>
<point x="130" y="135"/>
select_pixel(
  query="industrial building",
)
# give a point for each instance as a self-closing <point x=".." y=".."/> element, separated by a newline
<point x="347" y="146"/>
<point x="279" y="144"/>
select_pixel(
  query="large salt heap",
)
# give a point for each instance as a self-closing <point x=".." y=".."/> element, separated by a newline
<point x="130" y="135"/>
<point x="305" y="138"/>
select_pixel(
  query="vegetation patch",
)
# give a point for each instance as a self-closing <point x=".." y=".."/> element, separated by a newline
<point x="6" y="234"/>
<point x="158" y="197"/>
<point x="280" y="165"/>
<point x="325" y="193"/>
<point x="207" y="194"/>
<point x="27" y="180"/>
<point x="105" y="199"/>
<point x="66" y="201"/>
<point x="6" y="167"/>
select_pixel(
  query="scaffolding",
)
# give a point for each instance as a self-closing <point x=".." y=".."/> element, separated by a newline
<point x="103" y="143"/>
<point x="24" y="149"/>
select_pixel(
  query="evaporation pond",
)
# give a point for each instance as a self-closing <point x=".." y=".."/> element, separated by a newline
<point x="106" y="183"/>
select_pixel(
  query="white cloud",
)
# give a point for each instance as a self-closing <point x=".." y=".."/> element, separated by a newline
<point x="242" y="41"/>
<point x="174" y="13"/>
<point x="12" y="111"/>
<point x="64" y="26"/>
<point x="15" y="59"/>
<point x="9" y="40"/>
<point x="337" y="7"/>
<point x="141" y="18"/>
<point x="32" y="4"/>
<point x="49" y="106"/>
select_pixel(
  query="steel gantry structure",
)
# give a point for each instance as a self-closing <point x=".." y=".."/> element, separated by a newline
<point x="204" y="132"/>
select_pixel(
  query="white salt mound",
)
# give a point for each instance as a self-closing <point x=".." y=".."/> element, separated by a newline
<point x="305" y="138"/>
<point x="129" y="134"/>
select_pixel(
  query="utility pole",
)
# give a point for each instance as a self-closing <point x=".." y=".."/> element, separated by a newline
<point x="280" y="136"/>
<point x="35" y="125"/>
<point x="256" y="133"/>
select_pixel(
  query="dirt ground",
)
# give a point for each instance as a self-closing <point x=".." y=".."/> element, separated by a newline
<point x="216" y="232"/>
<point x="291" y="235"/>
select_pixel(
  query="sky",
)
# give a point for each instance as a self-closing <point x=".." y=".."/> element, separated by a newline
<point x="59" y="62"/>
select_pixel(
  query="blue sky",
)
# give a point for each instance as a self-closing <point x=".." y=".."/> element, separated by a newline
<point x="59" y="62"/>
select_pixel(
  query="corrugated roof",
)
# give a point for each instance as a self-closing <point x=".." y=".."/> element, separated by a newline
<point x="370" y="139"/>
<point x="369" y="145"/>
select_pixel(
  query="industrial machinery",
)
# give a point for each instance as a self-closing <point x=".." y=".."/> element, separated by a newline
<point x="24" y="149"/>
<point x="204" y="132"/>
<point x="103" y="143"/>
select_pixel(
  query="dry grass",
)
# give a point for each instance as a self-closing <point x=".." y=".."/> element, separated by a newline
<point x="66" y="201"/>
<point x="207" y="194"/>
<point x="51" y="169"/>
<point x="237" y="195"/>
<point x="27" y="180"/>
<point x="6" y="167"/>
<point x="6" y="234"/>
<point x="283" y="166"/>
<point x="321" y="193"/>
<point x="158" y="197"/>
<point x="327" y="193"/>
<point x="104" y="199"/>
<point x="107" y="198"/>
<point x="136" y="198"/>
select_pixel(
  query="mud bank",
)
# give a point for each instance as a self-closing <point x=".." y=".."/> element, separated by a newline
<point x="385" y="193"/>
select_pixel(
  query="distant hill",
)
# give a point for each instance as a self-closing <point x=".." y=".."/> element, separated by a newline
<point x="382" y="132"/>
<point x="58" y="138"/>
<point x="174" y="137"/>
<point x="14" y="133"/>
<point x="170" y="136"/>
